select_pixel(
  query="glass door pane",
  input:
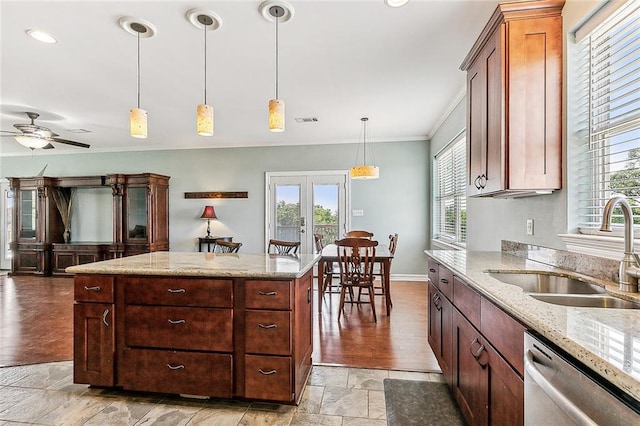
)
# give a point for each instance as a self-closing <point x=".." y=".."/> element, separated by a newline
<point x="326" y="211"/>
<point x="27" y="213"/>
<point x="137" y="212"/>
<point x="287" y="212"/>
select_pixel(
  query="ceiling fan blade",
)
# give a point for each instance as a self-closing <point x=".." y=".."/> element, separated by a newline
<point x="8" y="133"/>
<point x="68" y="142"/>
<point x="48" y="146"/>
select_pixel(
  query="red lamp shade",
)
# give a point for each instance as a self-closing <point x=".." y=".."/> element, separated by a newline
<point x="209" y="213"/>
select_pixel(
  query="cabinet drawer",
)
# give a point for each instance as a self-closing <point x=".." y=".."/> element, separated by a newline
<point x="268" y="332"/>
<point x="179" y="292"/>
<point x="203" y="329"/>
<point x="93" y="288"/>
<point x="504" y="333"/>
<point x="268" y="294"/>
<point x="445" y="282"/>
<point x="178" y="372"/>
<point x="433" y="272"/>
<point x="467" y="301"/>
<point x="268" y="377"/>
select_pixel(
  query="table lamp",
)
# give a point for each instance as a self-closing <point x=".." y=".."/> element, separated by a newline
<point x="208" y="213"/>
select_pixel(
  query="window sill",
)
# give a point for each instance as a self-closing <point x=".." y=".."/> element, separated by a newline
<point x="610" y="247"/>
<point x="441" y="245"/>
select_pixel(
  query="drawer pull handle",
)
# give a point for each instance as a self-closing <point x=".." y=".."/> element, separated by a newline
<point x="433" y="271"/>
<point x="267" y="326"/>
<point x="177" y="290"/>
<point x="177" y="367"/>
<point x="267" y="373"/>
<point x="269" y="293"/>
<point x="177" y="321"/>
<point x="444" y="281"/>
<point x="96" y="288"/>
<point x="104" y="317"/>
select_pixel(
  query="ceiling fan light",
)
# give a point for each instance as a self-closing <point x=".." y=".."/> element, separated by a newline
<point x="276" y="115"/>
<point x="138" y="123"/>
<point x="364" y="172"/>
<point x="204" y="122"/>
<point x="32" y="142"/>
<point x="396" y="3"/>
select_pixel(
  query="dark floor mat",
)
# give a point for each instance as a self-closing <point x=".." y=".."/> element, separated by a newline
<point x="411" y="403"/>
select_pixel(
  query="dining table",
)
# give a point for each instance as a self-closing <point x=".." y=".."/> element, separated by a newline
<point x="329" y="255"/>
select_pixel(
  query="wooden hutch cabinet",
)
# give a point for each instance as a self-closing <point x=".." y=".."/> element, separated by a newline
<point x="514" y="101"/>
<point x="140" y="216"/>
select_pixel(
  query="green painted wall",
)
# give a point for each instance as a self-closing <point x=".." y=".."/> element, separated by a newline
<point x="397" y="202"/>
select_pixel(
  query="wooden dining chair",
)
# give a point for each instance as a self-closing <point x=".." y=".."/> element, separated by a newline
<point x="356" y="257"/>
<point x="359" y="234"/>
<point x="378" y="272"/>
<point x="284" y="247"/>
<point x="330" y="270"/>
<point x="227" y="246"/>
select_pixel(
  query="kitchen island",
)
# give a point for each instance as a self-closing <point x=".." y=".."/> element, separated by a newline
<point x="470" y="303"/>
<point x="197" y="324"/>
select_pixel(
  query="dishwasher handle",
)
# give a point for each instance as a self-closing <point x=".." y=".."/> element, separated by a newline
<point x="579" y="416"/>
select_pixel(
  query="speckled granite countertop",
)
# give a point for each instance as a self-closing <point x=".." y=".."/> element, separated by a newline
<point x="606" y="340"/>
<point x="242" y="265"/>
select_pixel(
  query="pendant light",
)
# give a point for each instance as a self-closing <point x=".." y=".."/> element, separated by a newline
<point x="278" y="11"/>
<point x="276" y="106"/>
<point x="207" y="21"/>
<point x="137" y="116"/>
<point x="364" y="171"/>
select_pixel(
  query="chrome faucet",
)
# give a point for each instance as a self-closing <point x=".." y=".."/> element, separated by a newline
<point x="629" y="271"/>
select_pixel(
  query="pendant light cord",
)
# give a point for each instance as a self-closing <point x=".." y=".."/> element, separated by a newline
<point x="205" y="63"/>
<point x="277" y="19"/>
<point x="138" y="69"/>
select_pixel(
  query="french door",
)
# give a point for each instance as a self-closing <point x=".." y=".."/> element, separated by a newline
<point x="300" y="204"/>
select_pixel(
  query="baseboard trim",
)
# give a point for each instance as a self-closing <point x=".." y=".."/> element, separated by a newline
<point x="408" y="277"/>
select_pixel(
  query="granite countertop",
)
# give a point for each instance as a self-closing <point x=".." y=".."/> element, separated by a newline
<point x="604" y="339"/>
<point x="242" y="265"/>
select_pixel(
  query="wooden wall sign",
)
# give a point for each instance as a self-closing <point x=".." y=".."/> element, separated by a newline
<point x="217" y="194"/>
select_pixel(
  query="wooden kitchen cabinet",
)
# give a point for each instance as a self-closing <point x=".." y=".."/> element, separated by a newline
<point x="440" y="331"/>
<point x="480" y="350"/>
<point x="93" y="331"/>
<point x="487" y="389"/>
<point x="220" y="337"/>
<point x="514" y="101"/>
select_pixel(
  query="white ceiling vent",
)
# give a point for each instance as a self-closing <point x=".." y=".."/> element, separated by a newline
<point x="307" y="119"/>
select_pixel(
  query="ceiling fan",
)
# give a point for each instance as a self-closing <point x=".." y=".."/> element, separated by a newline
<point x="33" y="136"/>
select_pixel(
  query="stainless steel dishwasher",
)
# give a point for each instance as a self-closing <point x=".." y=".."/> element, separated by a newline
<point x="559" y="391"/>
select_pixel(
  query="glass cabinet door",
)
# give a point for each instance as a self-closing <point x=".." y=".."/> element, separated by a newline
<point x="27" y="218"/>
<point x="137" y="213"/>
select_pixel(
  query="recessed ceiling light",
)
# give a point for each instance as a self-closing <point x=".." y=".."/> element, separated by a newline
<point x="396" y="3"/>
<point x="42" y="36"/>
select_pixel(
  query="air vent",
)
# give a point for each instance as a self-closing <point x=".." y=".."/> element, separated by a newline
<point x="78" y="131"/>
<point x="307" y="119"/>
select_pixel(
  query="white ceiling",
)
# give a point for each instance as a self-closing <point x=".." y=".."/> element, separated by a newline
<point x="339" y="61"/>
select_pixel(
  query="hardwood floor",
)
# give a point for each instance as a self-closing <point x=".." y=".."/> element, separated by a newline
<point x="36" y="325"/>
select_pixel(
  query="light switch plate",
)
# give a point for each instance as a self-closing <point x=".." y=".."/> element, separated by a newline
<point x="529" y="226"/>
<point x="357" y="212"/>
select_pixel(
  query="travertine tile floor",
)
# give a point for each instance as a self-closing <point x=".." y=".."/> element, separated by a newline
<point x="44" y="394"/>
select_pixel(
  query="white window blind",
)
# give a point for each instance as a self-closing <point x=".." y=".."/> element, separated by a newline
<point x="450" y="201"/>
<point x="609" y="161"/>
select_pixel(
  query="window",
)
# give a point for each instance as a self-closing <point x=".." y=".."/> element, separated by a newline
<point x="609" y="111"/>
<point x="450" y="201"/>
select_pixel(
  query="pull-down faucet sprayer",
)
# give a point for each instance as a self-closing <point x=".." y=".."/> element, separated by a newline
<point x="630" y="264"/>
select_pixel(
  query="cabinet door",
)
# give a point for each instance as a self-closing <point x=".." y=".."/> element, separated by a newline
<point x="493" y="59"/>
<point x="535" y="110"/>
<point x="476" y="136"/>
<point x="440" y="331"/>
<point x="137" y="214"/>
<point x="470" y="364"/>
<point x="506" y="391"/>
<point x="93" y="344"/>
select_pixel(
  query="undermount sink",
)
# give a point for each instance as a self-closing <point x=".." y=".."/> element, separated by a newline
<point x="563" y="290"/>
<point x="547" y="283"/>
<point x="586" y="300"/>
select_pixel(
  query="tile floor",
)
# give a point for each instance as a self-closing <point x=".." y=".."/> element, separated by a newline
<point x="44" y="394"/>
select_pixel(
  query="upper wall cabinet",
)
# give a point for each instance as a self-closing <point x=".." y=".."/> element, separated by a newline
<point x="514" y="101"/>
